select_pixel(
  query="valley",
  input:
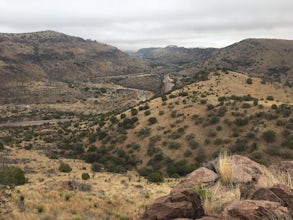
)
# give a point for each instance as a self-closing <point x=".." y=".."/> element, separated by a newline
<point x="98" y="132"/>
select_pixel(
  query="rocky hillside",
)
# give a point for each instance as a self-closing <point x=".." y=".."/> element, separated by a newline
<point x="270" y="59"/>
<point x="51" y="67"/>
<point x="173" y="134"/>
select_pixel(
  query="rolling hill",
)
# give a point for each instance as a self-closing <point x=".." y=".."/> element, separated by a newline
<point x="270" y="59"/>
<point x="50" y="67"/>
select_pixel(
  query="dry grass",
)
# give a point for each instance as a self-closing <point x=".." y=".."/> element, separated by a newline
<point x="225" y="168"/>
<point x="218" y="195"/>
<point x="276" y="176"/>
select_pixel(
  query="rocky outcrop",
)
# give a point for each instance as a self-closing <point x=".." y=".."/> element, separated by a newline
<point x="256" y="202"/>
<point x="255" y="209"/>
<point x="199" y="176"/>
<point x="245" y="170"/>
<point x="184" y="204"/>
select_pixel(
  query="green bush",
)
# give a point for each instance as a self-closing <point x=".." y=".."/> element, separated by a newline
<point x="269" y="136"/>
<point x="152" y="120"/>
<point x="134" y="111"/>
<point x="64" y="167"/>
<point x="85" y="176"/>
<point x="96" y="167"/>
<point x="270" y="98"/>
<point x="11" y="175"/>
<point x="155" y="177"/>
<point x="249" y="81"/>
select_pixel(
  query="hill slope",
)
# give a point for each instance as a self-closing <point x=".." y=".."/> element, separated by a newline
<point x="270" y="59"/>
<point x="173" y="133"/>
<point x="46" y="67"/>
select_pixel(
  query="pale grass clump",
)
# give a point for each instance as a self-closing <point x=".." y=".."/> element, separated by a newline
<point x="225" y="167"/>
<point x="276" y="176"/>
<point x="218" y="195"/>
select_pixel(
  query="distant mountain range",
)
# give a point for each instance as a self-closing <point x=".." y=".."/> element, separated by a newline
<point x="50" y="67"/>
<point x="270" y="59"/>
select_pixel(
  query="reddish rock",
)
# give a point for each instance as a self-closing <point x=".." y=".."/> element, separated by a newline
<point x="210" y="218"/>
<point x="285" y="194"/>
<point x="184" y="204"/>
<point x="254" y="210"/>
<point x="200" y="175"/>
<point x="266" y="194"/>
<point x="245" y="170"/>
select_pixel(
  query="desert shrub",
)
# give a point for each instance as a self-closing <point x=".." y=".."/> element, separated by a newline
<point x="249" y="81"/>
<point x="144" y="171"/>
<point x="155" y="177"/>
<point x="239" y="146"/>
<point x="270" y="98"/>
<point x="11" y="175"/>
<point x="183" y="93"/>
<point x="203" y="101"/>
<point x="161" y="112"/>
<point x="164" y="98"/>
<point x="113" y="119"/>
<point x="179" y="168"/>
<point x="246" y="105"/>
<point x="144" y="132"/>
<point x="174" y="145"/>
<point x="269" y="136"/>
<point x="218" y="141"/>
<point x="64" y="167"/>
<point x="274" y="106"/>
<point x="187" y="153"/>
<point x="172" y="96"/>
<point x="241" y="121"/>
<point x="189" y="137"/>
<point x="148" y="112"/>
<point x="209" y="107"/>
<point x="134" y="111"/>
<point x="128" y="123"/>
<point x="221" y="111"/>
<point x="96" y="167"/>
<point x="85" y="176"/>
<point x="152" y="120"/>
<point x="193" y="144"/>
<point x="122" y="116"/>
<point x="1" y="146"/>
<point x="27" y="147"/>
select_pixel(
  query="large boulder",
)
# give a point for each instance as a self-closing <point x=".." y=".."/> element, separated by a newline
<point x="278" y="193"/>
<point x="255" y="210"/>
<point x="201" y="175"/>
<point x="183" y="204"/>
<point x="285" y="194"/>
<point x="245" y="170"/>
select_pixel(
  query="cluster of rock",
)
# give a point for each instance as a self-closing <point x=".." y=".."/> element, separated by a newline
<point x="256" y="202"/>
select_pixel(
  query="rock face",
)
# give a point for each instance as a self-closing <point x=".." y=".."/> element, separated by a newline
<point x="245" y="170"/>
<point x="200" y="175"/>
<point x="184" y="204"/>
<point x="255" y="209"/>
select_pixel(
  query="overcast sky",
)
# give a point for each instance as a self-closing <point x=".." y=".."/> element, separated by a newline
<point x="133" y="24"/>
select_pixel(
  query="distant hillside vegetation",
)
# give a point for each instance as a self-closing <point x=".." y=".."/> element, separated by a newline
<point x="46" y="67"/>
<point x="271" y="59"/>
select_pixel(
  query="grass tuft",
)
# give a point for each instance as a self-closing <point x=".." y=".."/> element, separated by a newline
<point x="225" y="167"/>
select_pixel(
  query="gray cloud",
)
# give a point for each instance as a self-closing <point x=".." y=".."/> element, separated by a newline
<point x="131" y="24"/>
